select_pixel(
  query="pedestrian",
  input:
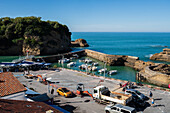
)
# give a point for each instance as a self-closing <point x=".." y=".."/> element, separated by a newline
<point x="152" y="101"/>
<point x="120" y="84"/>
<point x="150" y="94"/>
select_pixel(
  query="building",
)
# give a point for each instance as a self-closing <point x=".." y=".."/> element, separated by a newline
<point x="20" y="106"/>
<point x="11" y="88"/>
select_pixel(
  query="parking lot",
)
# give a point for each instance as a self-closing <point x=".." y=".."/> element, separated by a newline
<point x="70" y="79"/>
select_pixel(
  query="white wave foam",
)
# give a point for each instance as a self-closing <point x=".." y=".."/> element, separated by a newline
<point x="158" y="46"/>
<point x="148" y="56"/>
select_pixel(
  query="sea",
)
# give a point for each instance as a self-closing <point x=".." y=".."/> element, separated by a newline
<point x="139" y="44"/>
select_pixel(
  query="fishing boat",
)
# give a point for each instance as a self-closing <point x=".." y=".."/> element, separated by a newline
<point x="112" y="72"/>
<point x="64" y="60"/>
<point x="93" y="68"/>
<point x="88" y="61"/>
<point x="95" y="64"/>
<point x="71" y="64"/>
<point x="102" y="70"/>
<point x="83" y="66"/>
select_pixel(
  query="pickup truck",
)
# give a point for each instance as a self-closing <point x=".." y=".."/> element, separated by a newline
<point x="102" y="95"/>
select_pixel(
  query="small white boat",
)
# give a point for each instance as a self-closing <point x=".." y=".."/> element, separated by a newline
<point x="88" y="61"/>
<point x="75" y="55"/>
<point x="72" y="58"/>
<point x="83" y="66"/>
<point x="102" y="70"/>
<point x="71" y="64"/>
<point x="95" y="64"/>
<point x="94" y="68"/>
<point x="81" y="60"/>
<point x="65" y="60"/>
<point x="112" y="72"/>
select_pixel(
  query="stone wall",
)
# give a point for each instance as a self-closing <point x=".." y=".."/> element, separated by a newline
<point x="113" y="60"/>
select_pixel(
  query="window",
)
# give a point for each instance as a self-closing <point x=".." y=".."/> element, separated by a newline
<point x="113" y="108"/>
<point x="28" y="105"/>
<point x="95" y="91"/>
<point x="65" y="90"/>
<point x="124" y="111"/>
<point x="52" y="91"/>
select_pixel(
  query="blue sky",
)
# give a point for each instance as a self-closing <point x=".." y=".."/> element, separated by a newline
<point x="96" y="15"/>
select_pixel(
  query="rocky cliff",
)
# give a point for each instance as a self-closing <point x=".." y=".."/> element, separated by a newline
<point x="53" y="43"/>
<point x="30" y="34"/>
<point x="162" y="56"/>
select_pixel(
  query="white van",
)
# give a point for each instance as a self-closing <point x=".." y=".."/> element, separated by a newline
<point x="118" y="108"/>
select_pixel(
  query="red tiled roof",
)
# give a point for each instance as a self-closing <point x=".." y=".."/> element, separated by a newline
<point x="9" y="84"/>
<point x="20" y="106"/>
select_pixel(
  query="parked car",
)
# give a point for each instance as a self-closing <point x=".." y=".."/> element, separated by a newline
<point x="135" y="94"/>
<point x="118" y="108"/>
<point x="64" y="92"/>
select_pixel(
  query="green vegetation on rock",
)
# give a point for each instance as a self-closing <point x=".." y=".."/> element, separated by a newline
<point x="14" y="30"/>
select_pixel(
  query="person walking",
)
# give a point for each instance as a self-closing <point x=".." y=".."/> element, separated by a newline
<point x="152" y="101"/>
<point x="150" y="94"/>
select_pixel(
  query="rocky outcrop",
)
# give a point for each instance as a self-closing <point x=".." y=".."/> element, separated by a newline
<point x="163" y="68"/>
<point x="47" y="45"/>
<point x="154" y="77"/>
<point x="140" y="65"/>
<point x="79" y="43"/>
<point x="162" y="56"/>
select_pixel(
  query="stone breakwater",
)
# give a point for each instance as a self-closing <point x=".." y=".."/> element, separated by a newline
<point x="162" y="56"/>
<point x="113" y="60"/>
<point x="159" y="75"/>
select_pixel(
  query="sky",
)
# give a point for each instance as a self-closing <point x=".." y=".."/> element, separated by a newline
<point x="95" y="15"/>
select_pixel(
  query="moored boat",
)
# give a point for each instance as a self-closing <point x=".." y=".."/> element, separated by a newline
<point x="112" y="72"/>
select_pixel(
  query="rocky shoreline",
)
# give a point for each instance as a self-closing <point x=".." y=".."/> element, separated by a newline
<point x="162" y="56"/>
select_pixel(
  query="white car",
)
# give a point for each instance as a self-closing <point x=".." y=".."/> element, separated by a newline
<point x="118" y="108"/>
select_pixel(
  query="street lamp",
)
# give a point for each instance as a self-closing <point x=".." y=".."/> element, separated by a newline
<point x="86" y="68"/>
<point x="104" y="69"/>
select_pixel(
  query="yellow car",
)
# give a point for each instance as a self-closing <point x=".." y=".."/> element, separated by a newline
<point x="64" y="92"/>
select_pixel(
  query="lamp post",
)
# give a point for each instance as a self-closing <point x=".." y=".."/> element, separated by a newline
<point x="104" y="69"/>
<point x="86" y="68"/>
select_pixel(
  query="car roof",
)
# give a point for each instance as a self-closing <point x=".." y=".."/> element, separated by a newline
<point x="131" y="90"/>
<point x="124" y="107"/>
